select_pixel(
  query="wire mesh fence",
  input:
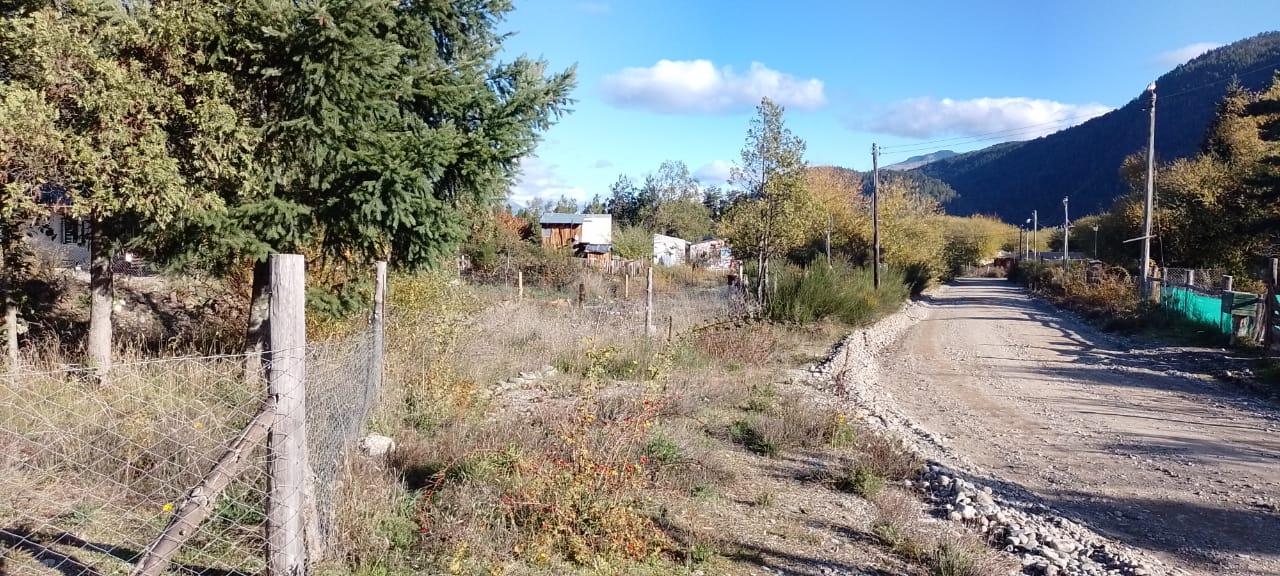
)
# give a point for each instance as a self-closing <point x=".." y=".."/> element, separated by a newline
<point x="341" y="394"/>
<point x="1203" y="280"/>
<point x="92" y="473"/>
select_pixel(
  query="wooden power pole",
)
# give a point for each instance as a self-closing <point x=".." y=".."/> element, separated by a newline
<point x="875" y="215"/>
<point x="1145" y="264"/>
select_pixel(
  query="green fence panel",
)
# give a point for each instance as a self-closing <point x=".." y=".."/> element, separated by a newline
<point x="1196" y="307"/>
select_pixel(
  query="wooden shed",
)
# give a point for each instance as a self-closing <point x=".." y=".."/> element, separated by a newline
<point x="576" y="230"/>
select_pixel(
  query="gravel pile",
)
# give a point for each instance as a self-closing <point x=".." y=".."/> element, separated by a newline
<point x="1045" y="543"/>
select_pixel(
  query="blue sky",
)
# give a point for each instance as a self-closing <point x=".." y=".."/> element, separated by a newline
<point x="677" y="80"/>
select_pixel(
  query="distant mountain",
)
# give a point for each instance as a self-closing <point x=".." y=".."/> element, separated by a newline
<point x="1083" y="162"/>
<point x="922" y="184"/>
<point x="918" y="161"/>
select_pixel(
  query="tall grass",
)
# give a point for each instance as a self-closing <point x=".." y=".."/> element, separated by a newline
<point x="840" y="292"/>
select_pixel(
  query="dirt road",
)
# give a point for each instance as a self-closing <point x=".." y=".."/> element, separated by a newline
<point x="1157" y="460"/>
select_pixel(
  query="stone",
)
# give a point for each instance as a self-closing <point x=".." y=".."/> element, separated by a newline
<point x="375" y="445"/>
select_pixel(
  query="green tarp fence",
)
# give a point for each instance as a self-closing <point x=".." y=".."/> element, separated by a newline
<point x="1196" y="307"/>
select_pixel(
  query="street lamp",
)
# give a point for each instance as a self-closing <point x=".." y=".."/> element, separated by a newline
<point x="1095" y="241"/>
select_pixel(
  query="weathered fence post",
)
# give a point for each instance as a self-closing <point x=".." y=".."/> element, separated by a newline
<point x="520" y="285"/>
<point x="626" y="285"/>
<point x="286" y="443"/>
<point x="649" y="328"/>
<point x="378" y="324"/>
<point x="201" y="499"/>
<point x="1228" y="283"/>
<point x="11" y="331"/>
<point x="582" y="295"/>
<point x="1269" y="306"/>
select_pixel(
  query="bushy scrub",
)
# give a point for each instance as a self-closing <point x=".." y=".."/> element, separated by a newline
<point x="839" y="292"/>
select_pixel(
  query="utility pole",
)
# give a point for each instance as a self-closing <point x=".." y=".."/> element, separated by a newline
<point x="1066" y="231"/>
<point x="1095" y="241"/>
<point x="1151" y="168"/>
<point x="875" y="215"/>
<point x="1035" y="233"/>
<point x="829" y="224"/>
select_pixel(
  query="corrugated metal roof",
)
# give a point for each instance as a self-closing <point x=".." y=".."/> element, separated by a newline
<point x="558" y="218"/>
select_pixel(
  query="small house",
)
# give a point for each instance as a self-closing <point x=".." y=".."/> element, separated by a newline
<point x="669" y="250"/>
<point x="590" y="236"/>
<point x="59" y="234"/>
<point x="712" y="254"/>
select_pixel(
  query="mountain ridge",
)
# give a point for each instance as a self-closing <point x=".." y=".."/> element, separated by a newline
<point x="1083" y="162"/>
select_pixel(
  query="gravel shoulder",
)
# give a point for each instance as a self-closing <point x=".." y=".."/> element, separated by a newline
<point x="1000" y="385"/>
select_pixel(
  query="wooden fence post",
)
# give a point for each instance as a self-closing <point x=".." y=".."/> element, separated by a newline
<point x="379" y="326"/>
<point x="11" y="330"/>
<point x="520" y="285"/>
<point x="201" y="499"/>
<point x="286" y="443"/>
<point x="649" y="328"/>
<point x="626" y="285"/>
<point x="1269" y="307"/>
<point x="582" y="295"/>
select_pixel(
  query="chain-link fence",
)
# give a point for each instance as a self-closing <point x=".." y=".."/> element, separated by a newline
<point x="188" y="464"/>
<point x="1206" y="281"/>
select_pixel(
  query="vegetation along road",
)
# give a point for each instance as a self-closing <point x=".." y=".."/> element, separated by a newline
<point x="1151" y="456"/>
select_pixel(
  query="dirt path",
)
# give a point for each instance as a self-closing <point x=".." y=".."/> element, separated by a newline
<point x="1157" y="460"/>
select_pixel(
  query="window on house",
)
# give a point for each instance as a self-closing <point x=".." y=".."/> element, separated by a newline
<point x="72" y="230"/>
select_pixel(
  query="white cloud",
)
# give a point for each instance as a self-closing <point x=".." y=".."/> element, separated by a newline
<point x="602" y="164"/>
<point x="1185" y="53"/>
<point x="714" y="173"/>
<point x="1016" y="118"/>
<point x="594" y="7"/>
<point x="539" y="179"/>
<point x="699" y="86"/>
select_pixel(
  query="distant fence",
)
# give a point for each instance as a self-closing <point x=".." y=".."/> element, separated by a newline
<point x="1207" y="297"/>
<point x="193" y="465"/>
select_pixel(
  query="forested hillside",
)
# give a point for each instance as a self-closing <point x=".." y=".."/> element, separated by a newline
<point x="922" y="184"/>
<point x="1083" y="162"/>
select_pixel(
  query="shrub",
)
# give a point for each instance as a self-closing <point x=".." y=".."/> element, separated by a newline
<point x="662" y="450"/>
<point x="860" y="480"/>
<point x="740" y="345"/>
<point x="632" y="243"/>
<point x="748" y="436"/>
<point x="841" y="293"/>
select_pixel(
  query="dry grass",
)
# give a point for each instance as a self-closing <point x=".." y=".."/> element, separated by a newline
<point x="573" y="474"/>
<point x="107" y="462"/>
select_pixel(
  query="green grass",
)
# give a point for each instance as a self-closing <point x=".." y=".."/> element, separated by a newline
<point x="746" y="434"/>
<point x="839" y="293"/>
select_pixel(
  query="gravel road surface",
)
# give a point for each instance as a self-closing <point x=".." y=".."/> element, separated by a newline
<point x="1152" y="457"/>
